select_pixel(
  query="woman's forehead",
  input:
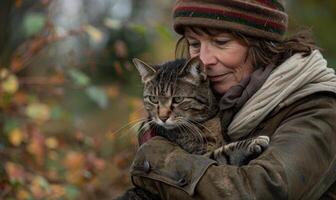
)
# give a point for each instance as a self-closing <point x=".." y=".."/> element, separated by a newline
<point x="201" y="31"/>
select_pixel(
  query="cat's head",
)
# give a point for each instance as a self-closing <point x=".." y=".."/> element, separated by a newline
<point x="177" y="92"/>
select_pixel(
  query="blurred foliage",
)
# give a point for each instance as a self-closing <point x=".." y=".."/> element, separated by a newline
<point x="63" y="115"/>
<point x="319" y="17"/>
<point x="70" y="98"/>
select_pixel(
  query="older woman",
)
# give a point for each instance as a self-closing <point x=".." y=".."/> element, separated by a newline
<point x="268" y="85"/>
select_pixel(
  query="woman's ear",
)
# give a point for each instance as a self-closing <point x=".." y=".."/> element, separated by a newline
<point x="146" y="71"/>
<point x="193" y="71"/>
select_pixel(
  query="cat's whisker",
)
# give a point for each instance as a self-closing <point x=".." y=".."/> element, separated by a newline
<point x="139" y="109"/>
<point x="204" y="127"/>
<point x="194" y="131"/>
<point x="136" y="124"/>
<point x="203" y="140"/>
<point x="147" y="124"/>
<point x="130" y="124"/>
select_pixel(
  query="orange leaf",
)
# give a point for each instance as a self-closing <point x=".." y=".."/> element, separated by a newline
<point x="57" y="79"/>
<point x="15" y="172"/>
<point x="22" y="194"/>
<point x="74" y="160"/>
<point x="51" y="143"/>
<point x="16" y="64"/>
<point x="20" y="98"/>
<point x="117" y="68"/>
<point x="113" y="91"/>
<point x="36" y="147"/>
<point x="16" y="137"/>
<point x="18" y="3"/>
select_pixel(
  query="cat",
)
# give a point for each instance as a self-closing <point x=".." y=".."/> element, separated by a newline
<point x="183" y="109"/>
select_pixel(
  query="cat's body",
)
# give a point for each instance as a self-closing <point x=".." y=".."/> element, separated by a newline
<point x="183" y="109"/>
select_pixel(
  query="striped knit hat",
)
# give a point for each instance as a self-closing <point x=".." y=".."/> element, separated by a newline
<point x="259" y="18"/>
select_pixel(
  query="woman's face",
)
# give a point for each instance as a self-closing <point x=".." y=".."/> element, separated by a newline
<point x="224" y="57"/>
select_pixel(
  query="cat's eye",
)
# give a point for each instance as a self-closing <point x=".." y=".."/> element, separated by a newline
<point x="153" y="99"/>
<point x="178" y="99"/>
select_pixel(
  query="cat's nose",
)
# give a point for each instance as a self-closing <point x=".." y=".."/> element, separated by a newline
<point x="164" y="119"/>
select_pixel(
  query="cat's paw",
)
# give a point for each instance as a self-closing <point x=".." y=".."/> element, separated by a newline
<point x="259" y="144"/>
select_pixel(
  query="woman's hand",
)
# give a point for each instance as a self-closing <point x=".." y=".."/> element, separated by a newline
<point x="163" y="161"/>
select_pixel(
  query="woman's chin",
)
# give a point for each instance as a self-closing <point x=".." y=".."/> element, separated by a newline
<point x="222" y="88"/>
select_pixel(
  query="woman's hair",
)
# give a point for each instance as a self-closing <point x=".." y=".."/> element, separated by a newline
<point x="262" y="52"/>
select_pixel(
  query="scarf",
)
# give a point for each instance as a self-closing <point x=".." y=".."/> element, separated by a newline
<point x="296" y="78"/>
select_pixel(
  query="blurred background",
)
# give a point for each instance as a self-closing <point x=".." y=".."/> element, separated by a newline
<point x="70" y="98"/>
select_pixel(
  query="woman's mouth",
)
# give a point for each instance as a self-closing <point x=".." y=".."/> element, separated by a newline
<point x="218" y="78"/>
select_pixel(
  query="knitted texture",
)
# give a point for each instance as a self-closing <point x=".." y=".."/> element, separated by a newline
<point x="259" y="18"/>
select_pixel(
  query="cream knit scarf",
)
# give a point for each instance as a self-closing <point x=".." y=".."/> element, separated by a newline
<point x="296" y="78"/>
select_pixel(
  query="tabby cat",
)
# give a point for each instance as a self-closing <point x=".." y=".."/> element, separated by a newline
<point x="183" y="109"/>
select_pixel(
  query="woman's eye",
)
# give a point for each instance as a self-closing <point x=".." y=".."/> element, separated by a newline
<point x="153" y="99"/>
<point x="221" y="42"/>
<point x="178" y="99"/>
<point x="194" y="44"/>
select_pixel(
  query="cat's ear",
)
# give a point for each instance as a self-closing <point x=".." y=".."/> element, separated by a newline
<point x="146" y="71"/>
<point x="193" y="71"/>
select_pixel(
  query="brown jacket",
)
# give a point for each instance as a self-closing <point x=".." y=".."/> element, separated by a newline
<point x="300" y="162"/>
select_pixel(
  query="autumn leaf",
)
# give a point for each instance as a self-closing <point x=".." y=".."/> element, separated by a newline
<point x="51" y="142"/>
<point x="57" y="191"/>
<point x="74" y="160"/>
<point x="36" y="147"/>
<point x="20" y="98"/>
<point x="18" y="3"/>
<point x="95" y="34"/>
<point x="10" y="83"/>
<point x="16" y="137"/>
<point x="16" y="64"/>
<point x="23" y="194"/>
<point x="15" y="172"/>
<point x="113" y="91"/>
<point x="57" y="79"/>
<point x="39" y="187"/>
<point x="38" y="111"/>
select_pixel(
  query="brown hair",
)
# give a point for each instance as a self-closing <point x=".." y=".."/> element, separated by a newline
<point x="261" y="51"/>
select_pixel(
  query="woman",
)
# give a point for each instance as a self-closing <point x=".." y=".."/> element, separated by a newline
<point x="268" y="85"/>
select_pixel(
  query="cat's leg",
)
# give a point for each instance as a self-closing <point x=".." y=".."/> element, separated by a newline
<point x="241" y="152"/>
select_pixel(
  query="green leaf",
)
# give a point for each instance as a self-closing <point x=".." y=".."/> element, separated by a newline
<point x="141" y="29"/>
<point x="98" y="95"/>
<point x="79" y="78"/>
<point x="164" y="32"/>
<point x="33" y="23"/>
<point x="10" y="124"/>
<point x="56" y="112"/>
<point x="72" y="192"/>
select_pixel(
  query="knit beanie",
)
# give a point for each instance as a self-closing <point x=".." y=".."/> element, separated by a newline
<point x="259" y="18"/>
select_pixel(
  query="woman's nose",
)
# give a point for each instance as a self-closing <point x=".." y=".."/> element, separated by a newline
<point x="207" y="55"/>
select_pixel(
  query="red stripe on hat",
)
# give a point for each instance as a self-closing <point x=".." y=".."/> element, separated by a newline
<point x="233" y="14"/>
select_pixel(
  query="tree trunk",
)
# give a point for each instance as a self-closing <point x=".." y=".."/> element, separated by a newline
<point x="5" y="9"/>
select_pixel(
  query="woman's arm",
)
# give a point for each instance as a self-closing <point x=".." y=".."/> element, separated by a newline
<point x="298" y="164"/>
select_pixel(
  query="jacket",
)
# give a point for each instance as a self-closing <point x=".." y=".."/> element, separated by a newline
<point x="300" y="162"/>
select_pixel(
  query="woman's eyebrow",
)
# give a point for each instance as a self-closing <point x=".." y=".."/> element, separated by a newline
<point x="190" y="37"/>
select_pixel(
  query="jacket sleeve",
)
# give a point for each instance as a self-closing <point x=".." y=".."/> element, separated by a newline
<point x="298" y="164"/>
